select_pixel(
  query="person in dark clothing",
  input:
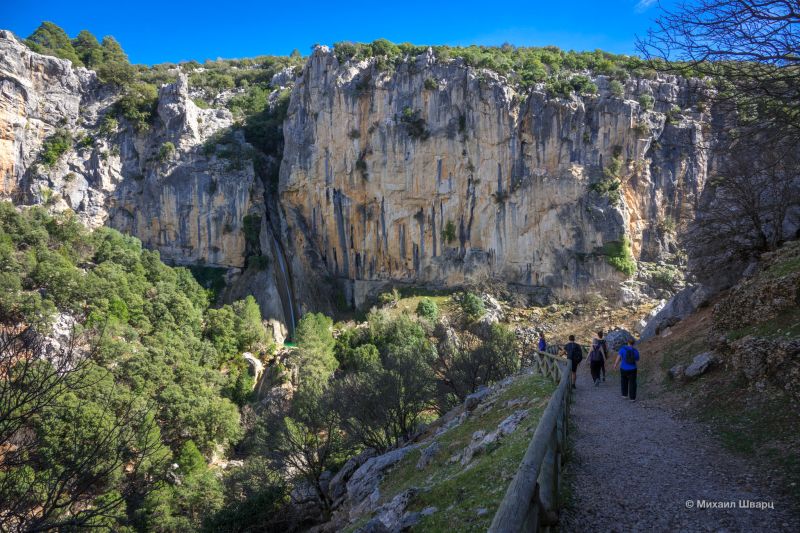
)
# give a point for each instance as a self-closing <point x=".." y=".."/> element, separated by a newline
<point x="605" y="353"/>
<point x="626" y="360"/>
<point x="542" y="342"/>
<point x="597" y="358"/>
<point x="575" y="355"/>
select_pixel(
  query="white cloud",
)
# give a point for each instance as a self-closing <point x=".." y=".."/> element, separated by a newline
<point x="643" y="5"/>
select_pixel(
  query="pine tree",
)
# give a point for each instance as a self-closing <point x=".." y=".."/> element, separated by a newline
<point x="88" y="49"/>
<point x="50" y="39"/>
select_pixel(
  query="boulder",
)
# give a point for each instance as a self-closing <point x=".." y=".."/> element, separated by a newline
<point x="617" y="338"/>
<point x="427" y="455"/>
<point x="676" y="372"/>
<point x="676" y="309"/>
<point x="337" y="488"/>
<point x="364" y="482"/>
<point x="700" y="364"/>
<point x="393" y="513"/>
<point x="472" y="401"/>
<point x="481" y="439"/>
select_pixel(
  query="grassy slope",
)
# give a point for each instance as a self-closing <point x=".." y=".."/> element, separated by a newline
<point x="457" y="491"/>
<point x="759" y="425"/>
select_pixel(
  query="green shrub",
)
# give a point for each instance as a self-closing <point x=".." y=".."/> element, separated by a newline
<point x="55" y="146"/>
<point x="616" y="88"/>
<point x="109" y="125"/>
<point x="119" y="73"/>
<point x="427" y="308"/>
<point x="251" y="226"/>
<point x="431" y="84"/>
<point x="674" y="115"/>
<point x="667" y="225"/>
<point x="389" y="297"/>
<point x="414" y="124"/>
<point x="583" y="85"/>
<point x="138" y="105"/>
<point x="665" y="277"/>
<point x="620" y="256"/>
<point x="646" y="101"/>
<point x="559" y="88"/>
<point x="641" y="129"/>
<point x="449" y="232"/>
<point x="166" y="151"/>
<point x="472" y="306"/>
<point x="87" y="141"/>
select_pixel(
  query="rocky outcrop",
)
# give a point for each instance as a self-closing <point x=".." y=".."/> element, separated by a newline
<point x="701" y="363"/>
<point x="386" y="179"/>
<point x="676" y="309"/>
<point x="183" y="186"/>
<point x="38" y="94"/>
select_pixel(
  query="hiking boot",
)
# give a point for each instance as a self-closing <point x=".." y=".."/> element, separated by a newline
<point x="597" y="383"/>
<point x="633" y="399"/>
<point x="604" y="379"/>
<point x="624" y="397"/>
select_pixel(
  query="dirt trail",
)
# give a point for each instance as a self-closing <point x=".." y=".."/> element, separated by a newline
<point x="635" y="466"/>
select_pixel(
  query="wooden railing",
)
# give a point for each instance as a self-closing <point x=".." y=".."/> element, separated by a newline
<point x="531" y="500"/>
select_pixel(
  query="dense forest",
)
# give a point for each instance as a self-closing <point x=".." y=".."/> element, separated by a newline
<point x="128" y="414"/>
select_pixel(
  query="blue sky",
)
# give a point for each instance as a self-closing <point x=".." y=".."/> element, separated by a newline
<point x="155" y="32"/>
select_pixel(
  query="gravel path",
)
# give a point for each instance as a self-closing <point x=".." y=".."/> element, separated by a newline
<point x="635" y="468"/>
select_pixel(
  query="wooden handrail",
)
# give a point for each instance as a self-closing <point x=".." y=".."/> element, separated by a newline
<point x="531" y="500"/>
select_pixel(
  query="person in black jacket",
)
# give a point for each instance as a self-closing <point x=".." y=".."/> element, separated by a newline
<point x="574" y="353"/>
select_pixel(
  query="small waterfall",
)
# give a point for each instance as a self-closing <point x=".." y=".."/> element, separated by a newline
<point x="284" y="287"/>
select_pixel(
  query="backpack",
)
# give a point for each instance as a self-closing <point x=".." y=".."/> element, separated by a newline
<point x="596" y="355"/>
<point x="575" y="353"/>
<point x="630" y="355"/>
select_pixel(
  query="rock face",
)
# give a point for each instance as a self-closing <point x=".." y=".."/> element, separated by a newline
<point x="169" y="186"/>
<point x="385" y="179"/>
<point x="432" y="173"/>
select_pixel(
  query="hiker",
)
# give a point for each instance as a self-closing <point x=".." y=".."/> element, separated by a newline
<point x="626" y="359"/>
<point x="597" y="358"/>
<point x="605" y="353"/>
<point x="542" y="342"/>
<point x="574" y="353"/>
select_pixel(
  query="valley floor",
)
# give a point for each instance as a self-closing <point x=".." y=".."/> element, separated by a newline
<point x="636" y="467"/>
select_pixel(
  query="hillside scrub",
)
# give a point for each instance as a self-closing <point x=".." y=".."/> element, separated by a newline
<point x="158" y="359"/>
<point x="457" y="492"/>
<point x="524" y="66"/>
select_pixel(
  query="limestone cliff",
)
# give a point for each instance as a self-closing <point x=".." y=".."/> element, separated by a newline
<point x="168" y="185"/>
<point x="430" y="172"/>
<point x="442" y="174"/>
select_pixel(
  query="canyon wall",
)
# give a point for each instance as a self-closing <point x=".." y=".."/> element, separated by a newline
<point x="429" y="172"/>
<point x="441" y="174"/>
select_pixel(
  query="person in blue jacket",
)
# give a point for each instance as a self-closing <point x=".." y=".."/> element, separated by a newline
<point x="542" y="342"/>
<point x="626" y="360"/>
